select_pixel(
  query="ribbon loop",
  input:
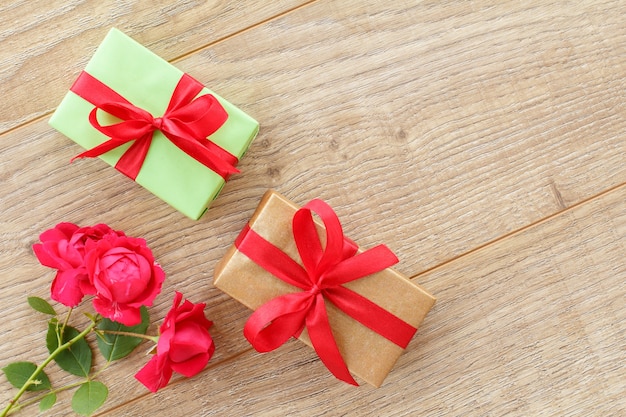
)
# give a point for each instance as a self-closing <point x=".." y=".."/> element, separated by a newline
<point x="326" y="268"/>
<point x="278" y="320"/>
<point x="187" y="122"/>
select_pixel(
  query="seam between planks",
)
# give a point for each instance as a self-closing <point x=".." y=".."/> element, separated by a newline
<point x="520" y="230"/>
<point x="180" y="380"/>
<point x="241" y="31"/>
<point x="181" y="57"/>
<point x="441" y="265"/>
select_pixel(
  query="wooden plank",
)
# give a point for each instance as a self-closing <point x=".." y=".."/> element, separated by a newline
<point x="440" y="132"/>
<point x="45" y="44"/>
<point x="432" y="128"/>
<point x="464" y="168"/>
<point x="533" y="324"/>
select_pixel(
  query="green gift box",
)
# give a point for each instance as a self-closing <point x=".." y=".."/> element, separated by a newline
<point x="148" y="82"/>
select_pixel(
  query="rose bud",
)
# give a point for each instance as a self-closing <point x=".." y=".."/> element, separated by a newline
<point x="185" y="345"/>
<point x="123" y="276"/>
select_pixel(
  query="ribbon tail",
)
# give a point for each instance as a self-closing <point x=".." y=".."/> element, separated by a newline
<point x="321" y="336"/>
<point x="202" y="154"/>
<point x="277" y="321"/>
<point x="103" y="148"/>
<point x="220" y="152"/>
<point x="371" y="315"/>
<point x="132" y="160"/>
<point x="132" y="130"/>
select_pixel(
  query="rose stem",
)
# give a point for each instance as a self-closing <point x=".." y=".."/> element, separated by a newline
<point x="155" y="339"/>
<point x="40" y="368"/>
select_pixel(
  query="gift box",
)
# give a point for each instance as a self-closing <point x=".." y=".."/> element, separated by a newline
<point x="370" y="330"/>
<point x="155" y="124"/>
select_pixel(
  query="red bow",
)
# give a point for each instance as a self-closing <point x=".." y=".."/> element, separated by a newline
<point x="321" y="279"/>
<point x="186" y="123"/>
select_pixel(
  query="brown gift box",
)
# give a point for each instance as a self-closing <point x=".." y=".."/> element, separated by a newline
<point x="366" y="353"/>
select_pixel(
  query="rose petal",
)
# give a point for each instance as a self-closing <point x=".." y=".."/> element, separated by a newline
<point x="188" y="341"/>
<point x="112" y="255"/>
<point x="169" y="322"/>
<point x="125" y="280"/>
<point x="66" y="287"/>
<point x="67" y="253"/>
<point x="96" y="232"/>
<point x="62" y="231"/>
<point x="87" y="288"/>
<point x="119" y="313"/>
<point x="165" y="340"/>
<point x="145" y="267"/>
<point x="192" y="366"/>
<point x="154" y="287"/>
<point x="46" y="259"/>
<point x="155" y="374"/>
<point x="102" y="290"/>
<point x="195" y="313"/>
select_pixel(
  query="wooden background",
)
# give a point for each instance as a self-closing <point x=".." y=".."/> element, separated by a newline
<point x="483" y="142"/>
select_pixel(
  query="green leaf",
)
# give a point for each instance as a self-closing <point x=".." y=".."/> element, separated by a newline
<point x="41" y="305"/>
<point x="114" y="346"/>
<point x="75" y="360"/>
<point x="47" y="402"/>
<point x="18" y="374"/>
<point x="89" y="397"/>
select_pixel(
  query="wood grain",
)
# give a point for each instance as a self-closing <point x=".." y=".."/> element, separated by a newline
<point x="427" y="137"/>
<point x="531" y="325"/>
<point x="45" y="44"/>
<point x="434" y="128"/>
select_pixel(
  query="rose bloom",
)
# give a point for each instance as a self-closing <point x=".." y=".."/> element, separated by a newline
<point x="184" y="346"/>
<point x="123" y="276"/>
<point x="63" y="248"/>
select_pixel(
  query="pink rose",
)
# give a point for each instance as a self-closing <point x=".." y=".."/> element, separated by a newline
<point x="184" y="346"/>
<point x="63" y="248"/>
<point x="123" y="276"/>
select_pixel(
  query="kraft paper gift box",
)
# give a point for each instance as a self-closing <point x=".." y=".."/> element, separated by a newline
<point x="149" y="82"/>
<point x="366" y="353"/>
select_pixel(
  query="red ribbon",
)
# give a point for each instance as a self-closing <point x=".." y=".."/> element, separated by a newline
<point x="321" y="279"/>
<point x="187" y="122"/>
